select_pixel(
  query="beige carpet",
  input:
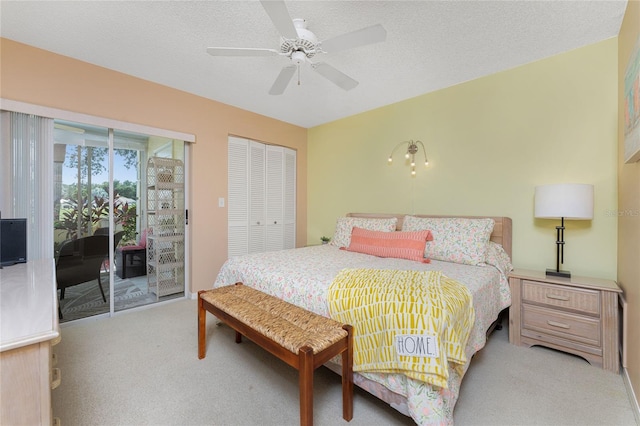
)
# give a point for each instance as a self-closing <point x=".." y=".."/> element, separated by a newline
<point x="141" y="368"/>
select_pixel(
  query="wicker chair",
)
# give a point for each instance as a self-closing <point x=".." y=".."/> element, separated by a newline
<point x="79" y="261"/>
<point x="116" y="240"/>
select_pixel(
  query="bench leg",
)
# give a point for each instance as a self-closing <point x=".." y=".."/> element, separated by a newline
<point x="202" y="328"/>
<point x="347" y="376"/>
<point x="306" y="385"/>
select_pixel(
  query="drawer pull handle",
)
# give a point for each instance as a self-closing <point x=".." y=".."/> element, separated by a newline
<point x="558" y="297"/>
<point x="558" y="324"/>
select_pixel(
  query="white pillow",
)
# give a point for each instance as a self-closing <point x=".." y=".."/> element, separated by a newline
<point x="459" y="240"/>
<point x="344" y="225"/>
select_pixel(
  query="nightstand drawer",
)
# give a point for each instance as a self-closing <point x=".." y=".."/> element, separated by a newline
<point x="573" y="299"/>
<point x="578" y="328"/>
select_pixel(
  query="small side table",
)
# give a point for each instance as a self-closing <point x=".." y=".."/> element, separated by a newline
<point x="578" y="315"/>
<point x="131" y="261"/>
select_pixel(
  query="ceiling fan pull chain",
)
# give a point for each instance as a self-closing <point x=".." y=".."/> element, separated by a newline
<point x="298" y="74"/>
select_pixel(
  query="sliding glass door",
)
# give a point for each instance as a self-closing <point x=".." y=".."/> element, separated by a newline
<point x="101" y="225"/>
<point x="81" y="225"/>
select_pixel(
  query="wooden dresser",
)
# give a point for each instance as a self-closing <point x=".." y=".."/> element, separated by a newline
<point x="29" y="328"/>
<point x="578" y="315"/>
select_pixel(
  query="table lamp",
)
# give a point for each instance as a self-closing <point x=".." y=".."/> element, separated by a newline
<point x="572" y="201"/>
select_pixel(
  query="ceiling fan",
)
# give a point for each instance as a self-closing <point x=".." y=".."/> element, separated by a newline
<point x="300" y="45"/>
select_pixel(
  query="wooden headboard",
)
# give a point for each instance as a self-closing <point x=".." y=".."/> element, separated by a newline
<point x="501" y="230"/>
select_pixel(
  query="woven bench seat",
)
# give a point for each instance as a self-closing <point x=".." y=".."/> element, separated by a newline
<point x="301" y="338"/>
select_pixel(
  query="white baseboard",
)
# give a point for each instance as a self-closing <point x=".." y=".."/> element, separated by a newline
<point x="633" y="398"/>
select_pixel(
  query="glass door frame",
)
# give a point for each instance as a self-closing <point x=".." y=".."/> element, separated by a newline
<point x="59" y="114"/>
<point x="114" y="141"/>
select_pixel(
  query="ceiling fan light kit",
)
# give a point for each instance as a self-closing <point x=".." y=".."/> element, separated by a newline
<point x="300" y="45"/>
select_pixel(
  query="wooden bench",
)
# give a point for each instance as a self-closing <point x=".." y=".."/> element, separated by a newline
<point x="300" y="338"/>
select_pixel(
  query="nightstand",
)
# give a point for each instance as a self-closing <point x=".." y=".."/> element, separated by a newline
<point x="578" y="315"/>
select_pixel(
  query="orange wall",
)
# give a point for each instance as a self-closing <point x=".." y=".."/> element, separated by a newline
<point x="43" y="78"/>
<point x="629" y="203"/>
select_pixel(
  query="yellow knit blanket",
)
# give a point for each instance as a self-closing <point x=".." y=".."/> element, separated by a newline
<point x="409" y="322"/>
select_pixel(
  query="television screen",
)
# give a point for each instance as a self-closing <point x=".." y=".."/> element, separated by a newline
<point x="13" y="241"/>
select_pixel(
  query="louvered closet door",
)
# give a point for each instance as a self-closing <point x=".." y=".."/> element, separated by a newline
<point x="262" y="197"/>
<point x="257" y="190"/>
<point x="237" y="196"/>
<point x="289" y="195"/>
<point x="275" y="198"/>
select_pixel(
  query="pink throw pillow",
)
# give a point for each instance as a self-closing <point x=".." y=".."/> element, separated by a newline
<point x="400" y="245"/>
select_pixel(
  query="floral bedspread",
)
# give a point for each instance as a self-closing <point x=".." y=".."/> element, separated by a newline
<point x="302" y="276"/>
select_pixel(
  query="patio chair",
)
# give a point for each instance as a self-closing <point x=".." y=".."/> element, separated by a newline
<point x="79" y="261"/>
<point x="116" y="237"/>
<point x="116" y="240"/>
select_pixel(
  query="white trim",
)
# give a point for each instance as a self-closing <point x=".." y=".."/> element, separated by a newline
<point x="186" y="153"/>
<point x="55" y="113"/>
<point x="633" y="399"/>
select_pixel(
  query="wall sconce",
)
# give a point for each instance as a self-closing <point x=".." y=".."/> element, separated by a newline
<point x="563" y="201"/>
<point x="412" y="150"/>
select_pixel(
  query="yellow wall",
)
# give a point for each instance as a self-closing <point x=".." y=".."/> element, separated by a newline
<point x="629" y="204"/>
<point x="490" y="141"/>
<point x="39" y="77"/>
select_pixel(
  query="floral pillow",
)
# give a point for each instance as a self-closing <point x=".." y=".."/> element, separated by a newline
<point x="344" y="225"/>
<point x="496" y="256"/>
<point x="459" y="240"/>
<point x="399" y="245"/>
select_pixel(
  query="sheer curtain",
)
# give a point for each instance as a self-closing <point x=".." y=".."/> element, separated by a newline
<point x="26" y="161"/>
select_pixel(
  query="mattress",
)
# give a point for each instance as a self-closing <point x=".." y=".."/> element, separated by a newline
<point x="302" y="276"/>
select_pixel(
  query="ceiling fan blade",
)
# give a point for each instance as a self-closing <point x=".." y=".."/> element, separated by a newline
<point x="337" y="77"/>
<point x="282" y="80"/>
<point x="369" y="35"/>
<point x="240" y="51"/>
<point x="279" y="14"/>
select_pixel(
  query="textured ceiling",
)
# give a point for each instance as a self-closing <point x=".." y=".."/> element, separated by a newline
<point x="430" y="45"/>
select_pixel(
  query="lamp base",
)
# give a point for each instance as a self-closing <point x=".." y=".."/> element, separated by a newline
<point x="558" y="273"/>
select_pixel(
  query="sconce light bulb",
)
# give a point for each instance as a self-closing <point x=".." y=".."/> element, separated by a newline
<point x="406" y="156"/>
<point x="390" y="159"/>
<point x="413" y="164"/>
<point x="413" y="172"/>
<point x="426" y="163"/>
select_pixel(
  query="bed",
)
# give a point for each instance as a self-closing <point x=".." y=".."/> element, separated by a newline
<point x="474" y="251"/>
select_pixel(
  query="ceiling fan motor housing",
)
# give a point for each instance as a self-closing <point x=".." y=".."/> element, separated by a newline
<point x="306" y="42"/>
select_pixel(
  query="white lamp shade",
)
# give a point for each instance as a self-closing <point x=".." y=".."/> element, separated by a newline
<point x="568" y="200"/>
